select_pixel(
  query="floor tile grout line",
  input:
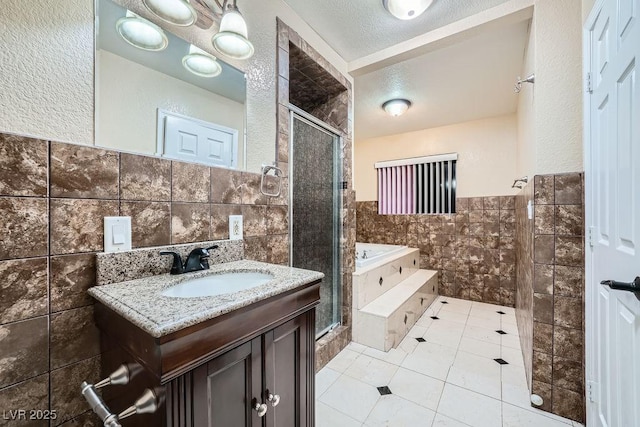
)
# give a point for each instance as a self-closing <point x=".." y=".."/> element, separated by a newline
<point x="457" y="350"/>
<point x="345" y="414"/>
<point x="541" y="413"/>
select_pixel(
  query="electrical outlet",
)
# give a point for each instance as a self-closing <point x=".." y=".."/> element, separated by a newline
<point x="235" y="227"/>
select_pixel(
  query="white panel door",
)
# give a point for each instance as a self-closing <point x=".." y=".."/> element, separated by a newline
<point x="613" y="213"/>
<point x="185" y="138"/>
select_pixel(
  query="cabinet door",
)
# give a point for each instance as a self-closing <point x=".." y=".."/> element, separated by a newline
<point x="289" y="356"/>
<point x="227" y="388"/>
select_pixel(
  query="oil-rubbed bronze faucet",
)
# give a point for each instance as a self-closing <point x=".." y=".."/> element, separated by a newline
<point x="197" y="260"/>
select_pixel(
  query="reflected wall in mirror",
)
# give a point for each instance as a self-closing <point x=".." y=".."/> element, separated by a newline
<point x="159" y="94"/>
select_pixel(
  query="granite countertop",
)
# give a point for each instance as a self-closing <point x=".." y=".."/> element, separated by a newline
<point x="142" y="303"/>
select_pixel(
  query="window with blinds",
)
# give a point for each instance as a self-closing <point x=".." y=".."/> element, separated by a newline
<point x="421" y="185"/>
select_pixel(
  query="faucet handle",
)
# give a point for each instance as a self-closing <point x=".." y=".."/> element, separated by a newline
<point x="212" y="247"/>
<point x="176" y="267"/>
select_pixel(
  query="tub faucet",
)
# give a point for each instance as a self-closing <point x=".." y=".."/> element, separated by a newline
<point x="364" y="254"/>
<point x="197" y="260"/>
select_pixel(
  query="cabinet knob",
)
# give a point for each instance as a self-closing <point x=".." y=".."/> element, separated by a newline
<point x="261" y="409"/>
<point x="274" y="399"/>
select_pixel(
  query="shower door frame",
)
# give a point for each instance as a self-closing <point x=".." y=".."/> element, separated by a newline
<point x="299" y="114"/>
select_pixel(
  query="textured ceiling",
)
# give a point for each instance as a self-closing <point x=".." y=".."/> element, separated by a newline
<point x="361" y="27"/>
<point x="467" y="81"/>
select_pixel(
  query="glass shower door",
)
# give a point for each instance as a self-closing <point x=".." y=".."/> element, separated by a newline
<point x="315" y="174"/>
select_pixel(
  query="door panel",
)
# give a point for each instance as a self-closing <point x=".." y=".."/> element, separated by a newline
<point x="626" y="195"/>
<point x="287" y="372"/>
<point x="601" y="173"/>
<point x="628" y="324"/>
<point x="614" y="212"/>
<point x="627" y="17"/>
<point x="224" y="389"/>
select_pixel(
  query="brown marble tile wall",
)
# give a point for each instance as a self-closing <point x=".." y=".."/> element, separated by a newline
<point x="53" y="198"/>
<point x="550" y="289"/>
<point x="337" y="111"/>
<point x="558" y="283"/>
<point x="474" y="249"/>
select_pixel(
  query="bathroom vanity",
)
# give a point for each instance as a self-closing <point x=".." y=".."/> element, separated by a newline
<point x="243" y="358"/>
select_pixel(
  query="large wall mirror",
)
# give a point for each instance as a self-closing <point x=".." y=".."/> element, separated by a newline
<point x="167" y="92"/>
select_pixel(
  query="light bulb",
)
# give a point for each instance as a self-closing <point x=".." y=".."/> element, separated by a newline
<point x="232" y="39"/>
<point x="141" y="33"/>
<point x="176" y="12"/>
<point x="406" y="9"/>
<point x="396" y="107"/>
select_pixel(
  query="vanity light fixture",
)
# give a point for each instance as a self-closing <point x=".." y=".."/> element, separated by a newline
<point x="141" y="33"/>
<point x="176" y="12"/>
<point x="406" y="9"/>
<point x="201" y="63"/>
<point x="396" y="107"/>
<point x="232" y="40"/>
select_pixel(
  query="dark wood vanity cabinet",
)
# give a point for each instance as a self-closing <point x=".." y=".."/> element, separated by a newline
<point x="227" y="389"/>
<point x="215" y="373"/>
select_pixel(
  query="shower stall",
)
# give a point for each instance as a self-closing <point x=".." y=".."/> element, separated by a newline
<point x="315" y="178"/>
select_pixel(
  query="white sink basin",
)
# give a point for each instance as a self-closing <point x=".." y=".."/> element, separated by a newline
<point x="217" y="284"/>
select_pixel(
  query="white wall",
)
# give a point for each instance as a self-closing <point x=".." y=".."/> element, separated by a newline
<point x="525" y="152"/>
<point x="46" y="69"/>
<point x="126" y="117"/>
<point x="550" y="112"/>
<point x="558" y="103"/>
<point x="486" y="155"/>
<point x="587" y="5"/>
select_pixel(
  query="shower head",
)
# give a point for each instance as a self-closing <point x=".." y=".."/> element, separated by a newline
<point x="520" y="183"/>
<point x="530" y="79"/>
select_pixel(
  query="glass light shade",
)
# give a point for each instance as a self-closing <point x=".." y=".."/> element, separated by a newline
<point x="141" y="33"/>
<point x="406" y="9"/>
<point x="201" y="63"/>
<point x="176" y="12"/>
<point x="232" y="39"/>
<point x="396" y="107"/>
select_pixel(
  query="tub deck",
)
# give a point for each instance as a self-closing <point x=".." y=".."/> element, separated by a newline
<point x="389" y="296"/>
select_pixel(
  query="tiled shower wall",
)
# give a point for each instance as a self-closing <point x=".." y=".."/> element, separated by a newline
<point x="549" y="302"/>
<point x="53" y="198"/>
<point x="338" y="112"/>
<point x="474" y="249"/>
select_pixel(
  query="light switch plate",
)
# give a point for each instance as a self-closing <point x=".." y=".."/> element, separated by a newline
<point x="117" y="233"/>
<point x="235" y="227"/>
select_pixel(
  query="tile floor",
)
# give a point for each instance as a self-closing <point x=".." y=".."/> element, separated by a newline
<point x="449" y="371"/>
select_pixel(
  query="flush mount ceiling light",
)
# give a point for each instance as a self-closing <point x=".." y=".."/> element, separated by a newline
<point x="396" y="107"/>
<point x="176" y="12"/>
<point x="232" y="40"/>
<point x="406" y="9"/>
<point x="141" y="33"/>
<point x="201" y="63"/>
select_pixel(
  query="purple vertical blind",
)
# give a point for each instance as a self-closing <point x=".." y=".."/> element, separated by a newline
<point x="423" y="185"/>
